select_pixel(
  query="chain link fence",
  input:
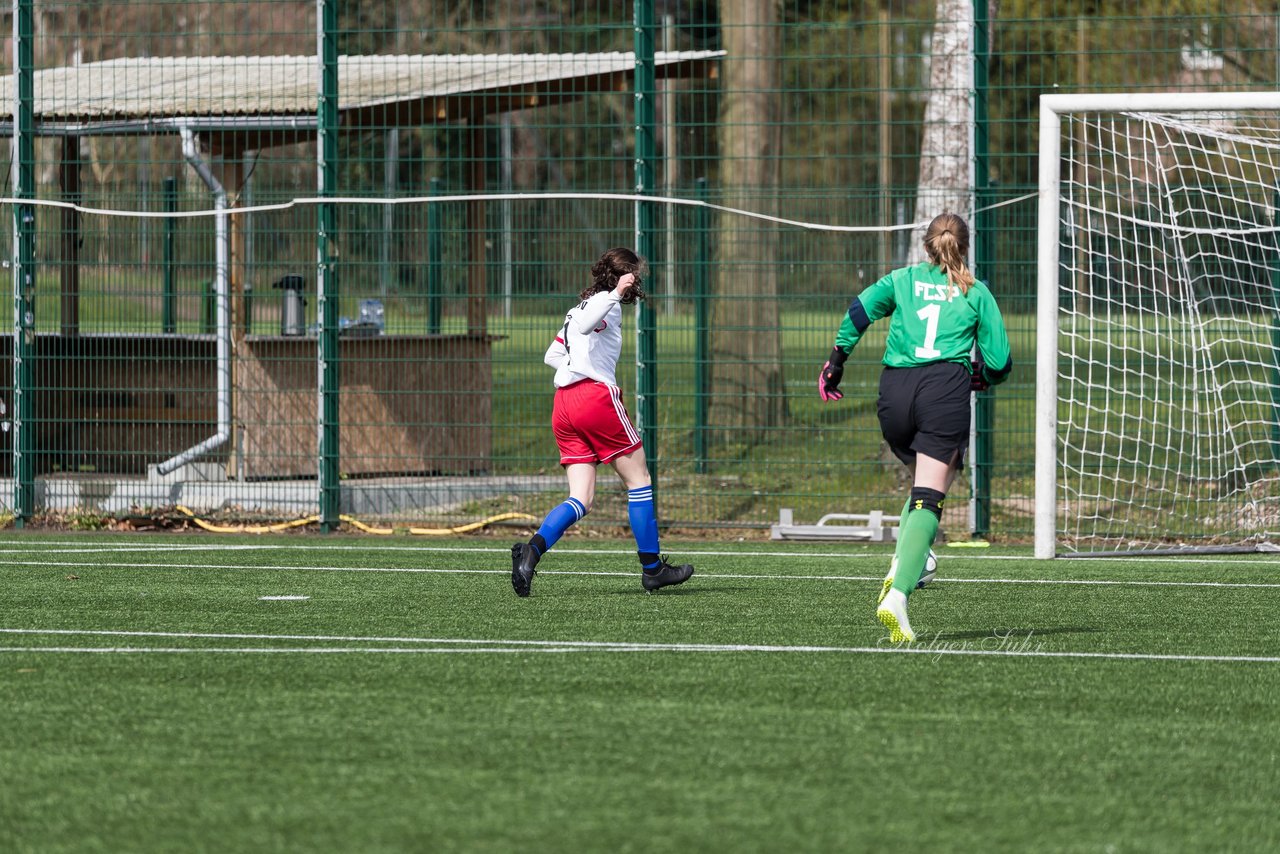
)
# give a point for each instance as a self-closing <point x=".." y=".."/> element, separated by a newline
<point x="280" y="259"/>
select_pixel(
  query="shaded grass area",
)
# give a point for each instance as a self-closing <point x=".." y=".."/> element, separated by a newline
<point x="823" y="458"/>
<point x="495" y="745"/>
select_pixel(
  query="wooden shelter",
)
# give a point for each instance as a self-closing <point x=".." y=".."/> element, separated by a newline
<point x="233" y="105"/>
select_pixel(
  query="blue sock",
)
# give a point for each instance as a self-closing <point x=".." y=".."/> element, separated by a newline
<point x="644" y="524"/>
<point x="559" y="520"/>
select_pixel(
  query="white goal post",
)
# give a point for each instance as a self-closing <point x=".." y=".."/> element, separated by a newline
<point x="1157" y="422"/>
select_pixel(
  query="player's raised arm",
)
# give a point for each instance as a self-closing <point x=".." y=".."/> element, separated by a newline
<point x="598" y="305"/>
<point x="593" y="310"/>
<point x="627" y="282"/>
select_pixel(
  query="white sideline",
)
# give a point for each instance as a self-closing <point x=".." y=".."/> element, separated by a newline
<point x="253" y="650"/>
<point x="78" y="547"/>
<point x="473" y="645"/>
<point x="702" y="574"/>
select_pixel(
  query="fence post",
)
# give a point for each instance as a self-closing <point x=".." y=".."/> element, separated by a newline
<point x="645" y="127"/>
<point x="435" y="266"/>
<point x="984" y="225"/>
<point x="701" y="327"/>
<point x="209" y="308"/>
<point x="169" y="199"/>
<point x="326" y="279"/>
<point x="69" y="174"/>
<point x="24" y="272"/>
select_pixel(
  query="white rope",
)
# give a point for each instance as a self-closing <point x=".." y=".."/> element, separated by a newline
<point x="415" y="200"/>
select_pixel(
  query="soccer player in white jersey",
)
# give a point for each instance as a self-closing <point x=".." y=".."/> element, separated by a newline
<point x="591" y="425"/>
<point x="938" y="313"/>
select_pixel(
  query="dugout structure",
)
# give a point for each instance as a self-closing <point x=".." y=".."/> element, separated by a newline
<point x="138" y="402"/>
<point x="1158" y="323"/>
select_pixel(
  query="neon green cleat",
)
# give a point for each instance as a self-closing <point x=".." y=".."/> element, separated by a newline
<point x="892" y="614"/>
<point x="888" y="579"/>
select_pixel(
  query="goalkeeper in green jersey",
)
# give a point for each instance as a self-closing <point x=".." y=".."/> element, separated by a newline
<point x="937" y="314"/>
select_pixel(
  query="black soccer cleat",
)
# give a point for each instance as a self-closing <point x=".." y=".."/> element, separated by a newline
<point x="524" y="558"/>
<point x="665" y="575"/>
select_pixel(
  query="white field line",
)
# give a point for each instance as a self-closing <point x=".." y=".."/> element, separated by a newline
<point x="438" y="645"/>
<point x="269" y="650"/>
<point x="703" y="575"/>
<point x="78" y="547"/>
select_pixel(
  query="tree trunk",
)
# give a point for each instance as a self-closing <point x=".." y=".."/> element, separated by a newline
<point x="946" y="148"/>
<point x="746" y="343"/>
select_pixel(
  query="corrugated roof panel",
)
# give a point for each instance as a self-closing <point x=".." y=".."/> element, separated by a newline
<point x="177" y="87"/>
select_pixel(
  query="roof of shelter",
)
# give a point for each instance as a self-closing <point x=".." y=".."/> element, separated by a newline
<point x="236" y="92"/>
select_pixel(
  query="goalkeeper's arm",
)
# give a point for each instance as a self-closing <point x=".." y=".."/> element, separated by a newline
<point x="831" y="374"/>
<point x="981" y="377"/>
<point x="855" y="322"/>
<point x="995" y="360"/>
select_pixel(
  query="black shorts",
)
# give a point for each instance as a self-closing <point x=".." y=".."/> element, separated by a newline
<point x="925" y="410"/>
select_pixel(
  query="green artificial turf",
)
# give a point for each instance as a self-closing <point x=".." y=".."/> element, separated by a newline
<point x="756" y="708"/>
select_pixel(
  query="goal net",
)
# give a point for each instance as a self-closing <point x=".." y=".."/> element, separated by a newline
<point x="1158" y="328"/>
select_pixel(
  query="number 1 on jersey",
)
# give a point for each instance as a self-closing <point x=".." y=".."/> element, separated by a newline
<point x="929" y="314"/>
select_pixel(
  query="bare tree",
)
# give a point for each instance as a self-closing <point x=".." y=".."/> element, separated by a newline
<point x="746" y="344"/>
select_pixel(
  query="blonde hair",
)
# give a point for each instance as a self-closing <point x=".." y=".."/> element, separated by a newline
<point x="946" y="242"/>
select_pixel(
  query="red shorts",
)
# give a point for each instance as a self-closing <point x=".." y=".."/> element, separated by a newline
<point x="591" y="423"/>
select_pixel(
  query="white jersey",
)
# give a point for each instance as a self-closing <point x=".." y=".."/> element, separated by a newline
<point x="589" y="343"/>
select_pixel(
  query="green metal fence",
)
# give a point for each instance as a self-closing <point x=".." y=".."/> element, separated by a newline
<point x="298" y="258"/>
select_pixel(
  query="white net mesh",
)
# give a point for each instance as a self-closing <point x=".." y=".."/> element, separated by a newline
<point x="1169" y="343"/>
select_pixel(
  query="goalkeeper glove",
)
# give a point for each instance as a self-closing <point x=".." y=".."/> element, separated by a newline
<point x="832" y="373"/>
<point x="978" y="376"/>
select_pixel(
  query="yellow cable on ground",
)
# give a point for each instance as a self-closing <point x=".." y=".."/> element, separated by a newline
<point x="368" y="529"/>
<point x="350" y="520"/>
<point x="247" y="529"/>
<point x="462" y="529"/>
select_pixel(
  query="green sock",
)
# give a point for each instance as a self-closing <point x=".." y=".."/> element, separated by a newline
<point x="902" y="529"/>
<point x="914" y="540"/>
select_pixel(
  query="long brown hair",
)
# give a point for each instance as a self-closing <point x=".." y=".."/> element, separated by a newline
<point x="946" y="242"/>
<point x="613" y="265"/>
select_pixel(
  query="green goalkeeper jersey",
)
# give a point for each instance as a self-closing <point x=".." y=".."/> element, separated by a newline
<point x="930" y="321"/>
